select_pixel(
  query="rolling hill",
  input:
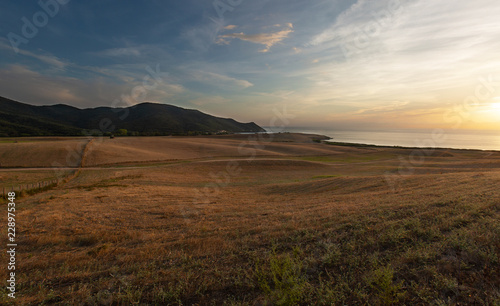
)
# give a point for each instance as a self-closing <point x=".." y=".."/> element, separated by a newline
<point x="20" y="119"/>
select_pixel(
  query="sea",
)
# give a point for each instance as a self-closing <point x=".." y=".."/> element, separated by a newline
<point x="453" y="139"/>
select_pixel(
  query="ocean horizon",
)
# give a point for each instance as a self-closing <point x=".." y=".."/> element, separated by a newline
<point x="452" y="139"/>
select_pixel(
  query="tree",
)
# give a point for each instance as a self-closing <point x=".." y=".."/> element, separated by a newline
<point x="121" y="132"/>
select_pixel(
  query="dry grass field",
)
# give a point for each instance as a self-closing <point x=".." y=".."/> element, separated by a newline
<point x="41" y="152"/>
<point x="22" y="177"/>
<point x="278" y="221"/>
<point x="142" y="149"/>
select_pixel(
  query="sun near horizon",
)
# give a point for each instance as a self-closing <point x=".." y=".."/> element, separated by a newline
<point x="391" y="64"/>
<point x="377" y="182"/>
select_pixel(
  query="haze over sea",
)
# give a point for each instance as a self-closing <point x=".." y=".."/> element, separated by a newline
<point x="480" y="140"/>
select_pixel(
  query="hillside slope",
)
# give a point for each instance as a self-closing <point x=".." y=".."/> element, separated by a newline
<point x="20" y="119"/>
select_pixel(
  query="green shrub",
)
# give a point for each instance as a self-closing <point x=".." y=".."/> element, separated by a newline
<point x="281" y="278"/>
<point x="387" y="292"/>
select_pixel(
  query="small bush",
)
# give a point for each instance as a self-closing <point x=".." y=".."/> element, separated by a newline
<point x="387" y="292"/>
<point x="281" y="278"/>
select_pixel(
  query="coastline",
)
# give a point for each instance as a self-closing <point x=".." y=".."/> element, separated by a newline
<point x="363" y="145"/>
<point x="463" y="140"/>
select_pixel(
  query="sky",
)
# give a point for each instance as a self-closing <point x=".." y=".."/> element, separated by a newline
<point x="339" y="64"/>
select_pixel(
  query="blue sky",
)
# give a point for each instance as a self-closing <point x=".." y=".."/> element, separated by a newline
<point x="333" y="64"/>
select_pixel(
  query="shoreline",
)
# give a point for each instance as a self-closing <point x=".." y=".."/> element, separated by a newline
<point x="330" y="141"/>
<point x="466" y="139"/>
<point x="314" y="137"/>
<point x="363" y="145"/>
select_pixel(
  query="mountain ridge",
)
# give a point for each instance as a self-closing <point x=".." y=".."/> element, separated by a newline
<point x="147" y="118"/>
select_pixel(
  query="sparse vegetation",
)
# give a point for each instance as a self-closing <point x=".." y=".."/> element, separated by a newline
<point x="282" y="278"/>
<point x="285" y="231"/>
<point x="386" y="291"/>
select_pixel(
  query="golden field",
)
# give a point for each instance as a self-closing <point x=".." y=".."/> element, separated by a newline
<point x="41" y="152"/>
<point x="243" y="220"/>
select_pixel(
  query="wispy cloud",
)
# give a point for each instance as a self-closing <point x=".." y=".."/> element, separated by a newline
<point x="390" y="107"/>
<point x="93" y="92"/>
<point x="212" y="100"/>
<point x="53" y="61"/>
<point x="266" y="39"/>
<point x="45" y="90"/>
<point x="430" y="55"/>
<point x="220" y="80"/>
<point x="120" y="52"/>
<point x="282" y="94"/>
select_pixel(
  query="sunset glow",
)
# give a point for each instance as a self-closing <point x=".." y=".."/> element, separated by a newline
<point x="333" y="64"/>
